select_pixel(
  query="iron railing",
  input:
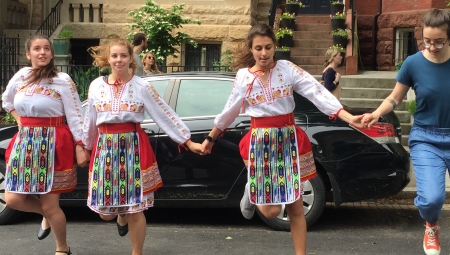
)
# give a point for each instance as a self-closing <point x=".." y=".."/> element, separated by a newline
<point x="273" y="10"/>
<point x="9" y="58"/>
<point x="51" y="22"/>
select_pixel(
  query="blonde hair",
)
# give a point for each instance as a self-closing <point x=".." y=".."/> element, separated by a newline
<point x="329" y="55"/>
<point x="101" y="53"/>
<point x="153" y="68"/>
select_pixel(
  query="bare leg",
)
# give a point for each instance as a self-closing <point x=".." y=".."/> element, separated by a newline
<point x="298" y="226"/>
<point x="23" y="202"/>
<point x="137" y="226"/>
<point x="56" y="218"/>
<point x="270" y="211"/>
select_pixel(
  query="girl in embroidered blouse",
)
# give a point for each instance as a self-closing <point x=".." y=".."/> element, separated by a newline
<point x="272" y="125"/>
<point x="149" y="62"/>
<point x="41" y="156"/>
<point x="121" y="152"/>
<point x="330" y="78"/>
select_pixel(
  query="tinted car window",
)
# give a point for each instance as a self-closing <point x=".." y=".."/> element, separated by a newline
<point x="202" y="97"/>
<point x="303" y="105"/>
<point x="160" y="87"/>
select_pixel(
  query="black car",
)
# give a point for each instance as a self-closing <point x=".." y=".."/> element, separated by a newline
<point x="353" y="165"/>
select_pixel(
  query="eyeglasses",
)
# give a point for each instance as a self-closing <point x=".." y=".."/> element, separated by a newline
<point x="438" y="45"/>
<point x="150" y="57"/>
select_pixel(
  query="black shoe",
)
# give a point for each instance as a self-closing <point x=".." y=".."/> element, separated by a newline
<point x="123" y="230"/>
<point x="43" y="233"/>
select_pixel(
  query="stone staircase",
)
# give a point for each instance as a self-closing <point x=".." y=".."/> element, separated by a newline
<point x="311" y="41"/>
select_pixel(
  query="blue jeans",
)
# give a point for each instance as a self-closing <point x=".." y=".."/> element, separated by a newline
<point x="430" y="156"/>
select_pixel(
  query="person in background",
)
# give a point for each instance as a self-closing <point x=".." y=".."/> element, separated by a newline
<point x="149" y="62"/>
<point x="121" y="152"/>
<point x="41" y="156"/>
<point x="331" y="78"/>
<point x="139" y="44"/>
<point x="427" y="73"/>
<point x="265" y="89"/>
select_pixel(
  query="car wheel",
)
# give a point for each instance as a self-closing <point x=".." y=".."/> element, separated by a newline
<point x="313" y="205"/>
<point x="7" y="215"/>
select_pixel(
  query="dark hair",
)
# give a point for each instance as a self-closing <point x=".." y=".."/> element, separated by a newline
<point x="436" y="18"/>
<point x="39" y="73"/>
<point x="101" y="53"/>
<point x="245" y="57"/>
<point x="138" y="38"/>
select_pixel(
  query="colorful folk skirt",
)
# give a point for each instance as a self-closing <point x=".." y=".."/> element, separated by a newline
<point x="41" y="157"/>
<point x="279" y="159"/>
<point x="123" y="174"/>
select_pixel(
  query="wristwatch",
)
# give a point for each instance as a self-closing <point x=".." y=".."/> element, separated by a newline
<point x="209" y="138"/>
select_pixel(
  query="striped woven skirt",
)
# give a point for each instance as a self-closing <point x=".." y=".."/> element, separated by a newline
<point x="279" y="158"/>
<point x="123" y="174"/>
<point x="41" y="157"/>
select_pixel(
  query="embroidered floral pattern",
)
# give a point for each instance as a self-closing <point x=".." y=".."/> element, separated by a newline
<point x="127" y="106"/>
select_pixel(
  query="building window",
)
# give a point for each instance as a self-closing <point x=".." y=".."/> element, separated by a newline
<point x="202" y="57"/>
<point x="405" y="44"/>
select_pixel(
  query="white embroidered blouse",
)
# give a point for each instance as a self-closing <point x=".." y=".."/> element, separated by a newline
<point x="49" y="98"/>
<point x="128" y="105"/>
<point x="277" y="97"/>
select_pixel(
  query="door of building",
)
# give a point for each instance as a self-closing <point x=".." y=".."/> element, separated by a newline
<point x="315" y="7"/>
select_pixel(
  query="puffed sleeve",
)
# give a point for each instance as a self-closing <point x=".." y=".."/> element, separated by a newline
<point x="72" y="106"/>
<point x="11" y="89"/>
<point x="234" y="103"/>
<point x="90" y="129"/>
<point x="307" y="86"/>
<point x="163" y="115"/>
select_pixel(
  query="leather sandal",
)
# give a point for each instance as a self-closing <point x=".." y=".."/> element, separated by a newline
<point x="68" y="252"/>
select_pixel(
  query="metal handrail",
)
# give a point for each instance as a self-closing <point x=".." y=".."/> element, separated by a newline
<point x="273" y="10"/>
<point x="52" y="21"/>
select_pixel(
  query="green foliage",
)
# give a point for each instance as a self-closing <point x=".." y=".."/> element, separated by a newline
<point x="83" y="79"/>
<point x="224" y="65"/>
<point x="336" y="2"/>
<point x="282" y="32"/>
<point x="295" y="2"/>
<point x="338" y="15"/>
<point x="158" y="24"/>
<point x="282" y="48"/>
<point x="338" y="47"/>
<point x="9" y="119"/>
<point x="286" y="15"/>
<point x="66" y="33"/>
<point x="398" y="65"/>
<point x="339" y="32"/>
<point x="411" y="107"/>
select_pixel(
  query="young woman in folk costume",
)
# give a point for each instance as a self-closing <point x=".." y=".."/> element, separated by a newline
<point x="123" y="173"/>
<point x="41" y="156"/>
<point x="265" y="88"/>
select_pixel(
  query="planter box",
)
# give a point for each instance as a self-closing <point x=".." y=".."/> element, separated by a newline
<point x="61" y="46"/>
<point x="340" y="40"/>
<point x="337" y="8"/>
<point x="286" y="55"/>
<point x="292" y="8"/>
<point x="288" y="23"/>
<point x="337" y="23"/>
<point x="287" y="40"/>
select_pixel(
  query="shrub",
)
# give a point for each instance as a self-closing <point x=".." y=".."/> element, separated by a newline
<point x="339" y="32"/>
<point x="282" y="32"/>
<point x="286" y="15"/>
<point x="282" y="48"/>
<point x="411" y="107"/>
<point x="338" y="47"/>
<point x="338" y="15"/>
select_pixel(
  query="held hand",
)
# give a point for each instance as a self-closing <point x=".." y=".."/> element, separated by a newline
<point x="194" y="147"/>
<point x="80" y="155"/>
<point x="207" y="146"/>
<point x="369" y="119"/>
<point x="356" y="121"/>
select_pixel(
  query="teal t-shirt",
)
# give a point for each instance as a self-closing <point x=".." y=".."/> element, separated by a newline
<point x="431" y="83"/>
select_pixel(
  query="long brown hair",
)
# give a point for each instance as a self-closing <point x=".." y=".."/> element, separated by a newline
<point x="39" y="73"/>
<point x="101" y="53"/>
<point x="245" y="58"/>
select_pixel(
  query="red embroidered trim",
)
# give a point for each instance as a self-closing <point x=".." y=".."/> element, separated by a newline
<point x="250" y="86"/>
<point x="335" y="116"/>
<point x="78" y="143"/>
<point x="184" y="146"/>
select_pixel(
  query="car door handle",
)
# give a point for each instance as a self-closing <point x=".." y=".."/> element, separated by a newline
<point x="149" y="131"/>
<point x="243" y="124"/>
<point x="192" y="185"/>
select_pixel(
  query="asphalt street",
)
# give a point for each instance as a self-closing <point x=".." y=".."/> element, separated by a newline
<point x="348" y="230"/>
